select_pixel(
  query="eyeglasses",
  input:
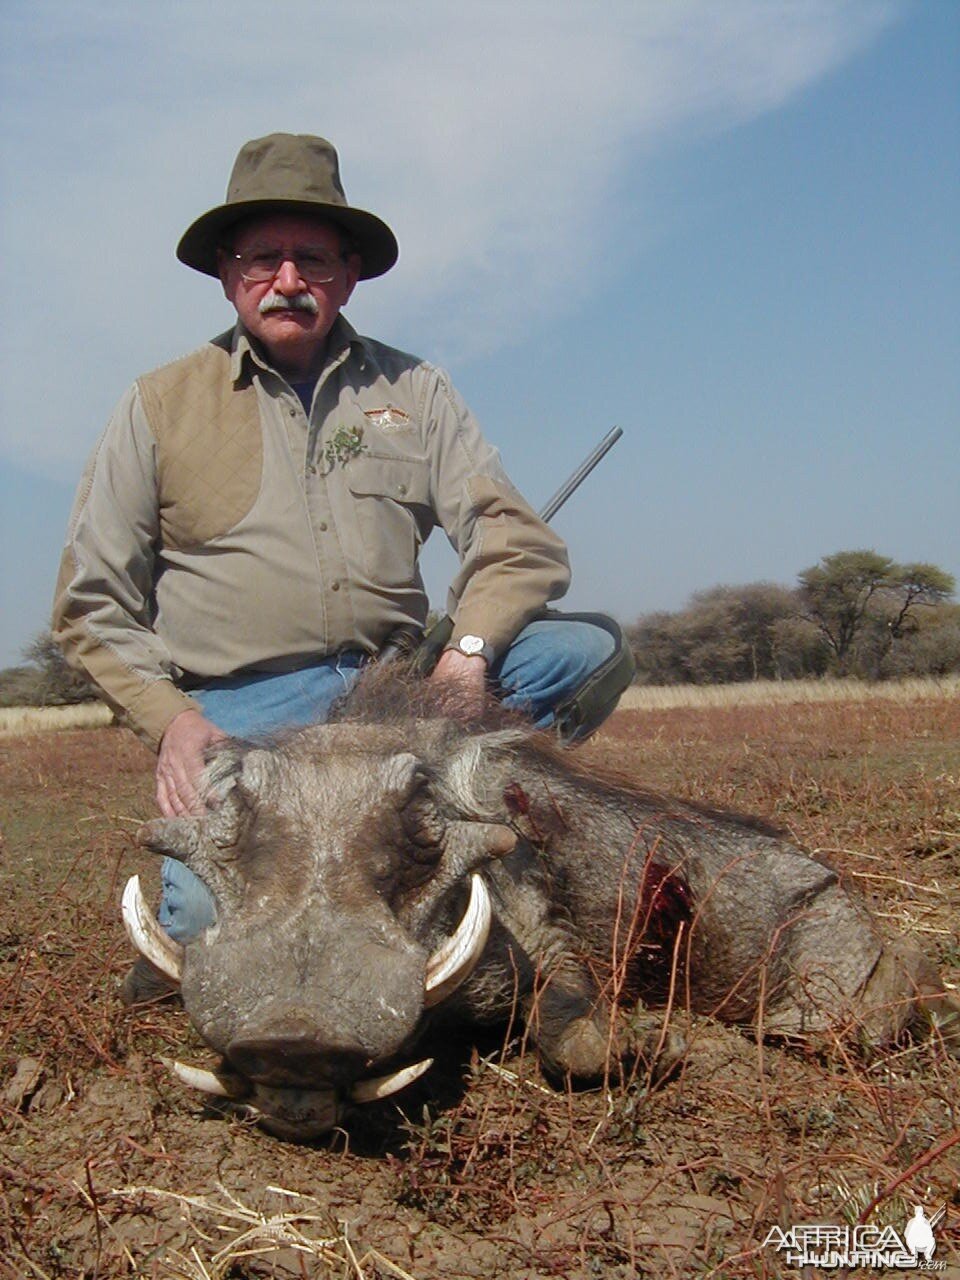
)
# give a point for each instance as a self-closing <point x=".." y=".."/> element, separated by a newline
<point x="315" y="266"/>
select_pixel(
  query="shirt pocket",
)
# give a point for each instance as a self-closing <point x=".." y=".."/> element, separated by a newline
<point x="394" y="514"/>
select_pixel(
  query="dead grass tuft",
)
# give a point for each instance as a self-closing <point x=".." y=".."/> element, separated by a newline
<point x="773" y="692"/>
<point x="85" y="715"/>
<point x="301" y="1228"/>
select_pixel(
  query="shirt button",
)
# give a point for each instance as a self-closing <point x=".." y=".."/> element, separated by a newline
<point x="401" y="489"/>
<point x="334" y="586"/>
<point x="322" y="526"/>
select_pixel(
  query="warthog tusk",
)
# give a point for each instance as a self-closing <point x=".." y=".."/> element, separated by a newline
<point x="383" y="1086"/>
<point x="207" y="1081"/>
<point x="454" y="961"/>
<point x="146" y="935"/>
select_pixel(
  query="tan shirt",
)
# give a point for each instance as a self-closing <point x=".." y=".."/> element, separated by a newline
<point x="219" y="528"/>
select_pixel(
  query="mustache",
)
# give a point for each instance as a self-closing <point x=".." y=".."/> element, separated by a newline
<point x="275" y="301"/>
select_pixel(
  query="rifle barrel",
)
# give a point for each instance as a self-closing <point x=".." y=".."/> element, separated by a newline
<point x="586" y="466"/>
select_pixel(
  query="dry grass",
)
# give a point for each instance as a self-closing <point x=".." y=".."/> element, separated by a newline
<point x="760" y="693"/>
<point x="85" y="715"/>
<point x="109" y="1170"/>
<point x="295" y="1222"/>
<point x="95" y="715"/>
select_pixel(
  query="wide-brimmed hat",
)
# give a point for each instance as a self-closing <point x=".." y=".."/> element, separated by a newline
<point x="288" y="173"/>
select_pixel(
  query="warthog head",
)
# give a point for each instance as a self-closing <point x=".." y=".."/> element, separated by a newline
<point x="341" y="865"/>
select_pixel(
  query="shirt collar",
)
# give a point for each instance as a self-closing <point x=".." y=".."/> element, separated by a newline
<point x="244" y="353"/>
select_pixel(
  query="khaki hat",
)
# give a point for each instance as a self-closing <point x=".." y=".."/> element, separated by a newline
<point x="288" y="173"/>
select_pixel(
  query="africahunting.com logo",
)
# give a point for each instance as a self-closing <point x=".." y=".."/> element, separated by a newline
<point x="829" y="1247"/>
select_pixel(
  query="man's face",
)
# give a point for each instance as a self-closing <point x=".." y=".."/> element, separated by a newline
<point x="294" y="337"/>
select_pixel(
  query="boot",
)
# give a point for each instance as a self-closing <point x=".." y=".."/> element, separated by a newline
<point x="144" y="985"/>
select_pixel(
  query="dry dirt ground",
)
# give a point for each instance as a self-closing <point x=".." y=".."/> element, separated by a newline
<point x="110" y="1168"/>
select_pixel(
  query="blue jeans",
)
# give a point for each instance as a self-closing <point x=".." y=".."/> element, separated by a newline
<point x="546" y="663"/>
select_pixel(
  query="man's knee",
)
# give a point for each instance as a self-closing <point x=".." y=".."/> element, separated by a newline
<point x="187" y="906"/>
<point x="566" y="669"/>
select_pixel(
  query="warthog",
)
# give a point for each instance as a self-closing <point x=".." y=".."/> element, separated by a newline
<point x="374" y="874"/>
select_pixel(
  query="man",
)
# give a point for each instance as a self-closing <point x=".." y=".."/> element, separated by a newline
<point x="246" y="534"/>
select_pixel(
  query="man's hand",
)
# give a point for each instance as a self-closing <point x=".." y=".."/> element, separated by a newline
<point x="181" y="762"/>
<point x="465" y="676"/>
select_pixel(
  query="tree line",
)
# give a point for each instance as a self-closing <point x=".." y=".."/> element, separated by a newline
<point x="44" y="679"/>
<point x="855" y="613"/>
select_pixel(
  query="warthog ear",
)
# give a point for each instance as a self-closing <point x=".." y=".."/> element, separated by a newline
<point x="232" y="778"/>
<point x="223" y="771"/>
<point x="404" y="774"/>
<point x="184" y="838"/>
<point x="472" y="777"/>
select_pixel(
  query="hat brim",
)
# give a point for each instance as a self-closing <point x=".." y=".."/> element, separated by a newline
<point x="374" y="241"/>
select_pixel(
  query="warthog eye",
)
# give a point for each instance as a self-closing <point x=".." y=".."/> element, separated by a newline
<point x="383" y="868"/>
<point x="423" y="826"/>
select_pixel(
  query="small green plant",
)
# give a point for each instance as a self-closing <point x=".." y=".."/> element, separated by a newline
<point x="347" y="443"/>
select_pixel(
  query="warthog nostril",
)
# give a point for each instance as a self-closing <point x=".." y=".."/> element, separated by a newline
<point x="293" y="1053"/>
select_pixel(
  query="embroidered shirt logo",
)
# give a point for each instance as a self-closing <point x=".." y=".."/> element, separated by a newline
<point x="388" y="419"/>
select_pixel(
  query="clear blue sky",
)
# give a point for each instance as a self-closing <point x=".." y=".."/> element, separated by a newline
<point x="730" y="228"/>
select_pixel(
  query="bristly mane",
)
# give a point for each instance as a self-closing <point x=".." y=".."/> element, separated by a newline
<point x="393" y="694"/>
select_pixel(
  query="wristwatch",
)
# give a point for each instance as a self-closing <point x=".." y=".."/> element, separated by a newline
<point x="475" y="647"/>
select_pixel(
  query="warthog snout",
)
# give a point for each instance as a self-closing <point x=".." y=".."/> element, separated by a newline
<point x="291" y="1051"/>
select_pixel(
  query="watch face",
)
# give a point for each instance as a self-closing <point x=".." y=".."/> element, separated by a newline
<point x="471" y="645"/>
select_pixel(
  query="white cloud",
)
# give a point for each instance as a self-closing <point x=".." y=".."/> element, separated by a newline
<point x="497" y="139"/>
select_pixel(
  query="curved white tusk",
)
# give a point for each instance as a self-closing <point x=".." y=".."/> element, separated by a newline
<point x="146" y="935"/>
<point x="383" y="1086"/>
<point x="454" y="961"/>
<point x="206" y="1081"/>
